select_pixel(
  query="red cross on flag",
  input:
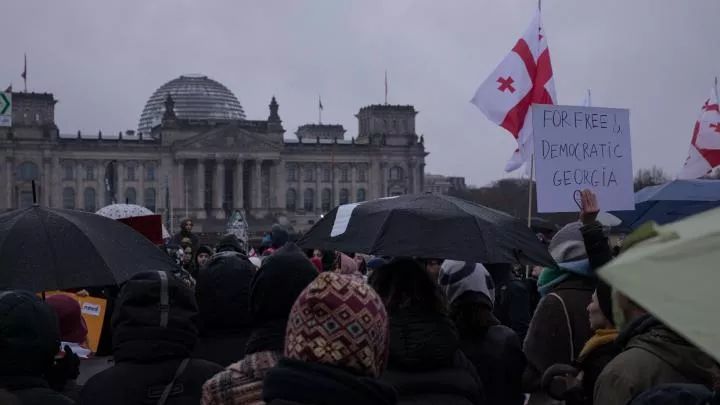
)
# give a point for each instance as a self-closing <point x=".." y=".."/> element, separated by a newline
<point x="704" y="154"/>
<point x="523" y="78"/>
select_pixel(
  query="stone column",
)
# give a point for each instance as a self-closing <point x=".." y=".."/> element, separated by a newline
<point x="219" y="187"/>
<point x="257" y="184"/>
<point x="239" y="175"/>
<point x="410" y="181"/>
<point x="301" y="187"/>
<point x="181" y="191"/>
<point x="8" y="182"/>
<point x="56" y="184"/>
<point x="101" y="183"/>
<point x="79" y="192"/>
<point x="280" y="185"/>
<point x="317" y="197"/>
<point x="200" y="197"/>
<point x="46" y="182"/>
<point x="120" y="192"/>
<point x="353" y="184"/>
<point x="141" y="183"/>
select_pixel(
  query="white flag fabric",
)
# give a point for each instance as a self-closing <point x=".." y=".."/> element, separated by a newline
<point x="704" y="153"/>
<point x="523" y="78"/>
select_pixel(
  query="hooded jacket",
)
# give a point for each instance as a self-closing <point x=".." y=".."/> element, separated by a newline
<point x="222" y="291"/>
<point x="29" y="340"/>
<point x="154" y="330"/>
<point x="652" y="354"/>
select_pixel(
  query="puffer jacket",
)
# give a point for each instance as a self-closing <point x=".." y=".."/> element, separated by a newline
<point x="426" y="365"/>
<point x="29" y="336"/>
<point x="154" y="332"/>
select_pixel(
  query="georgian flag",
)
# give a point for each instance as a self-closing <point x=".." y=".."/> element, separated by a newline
<point x="704" y="153"/>
<point x="523" y="78"/>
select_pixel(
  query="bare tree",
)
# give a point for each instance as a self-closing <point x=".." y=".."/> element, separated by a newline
<point x="649" y="177"/>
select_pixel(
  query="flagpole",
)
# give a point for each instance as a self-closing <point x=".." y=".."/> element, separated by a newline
<point x="386" y="86"/>
<point x="589" y="98"/>
<point x="24" y="75"/>
<point x="530" y="191"/>
<point x="320" y="108"/>
<point x="716" y="90"/>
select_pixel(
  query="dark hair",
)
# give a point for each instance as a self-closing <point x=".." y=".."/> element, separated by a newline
<point x="472" y="318"/>
<point x="404" y="284"/>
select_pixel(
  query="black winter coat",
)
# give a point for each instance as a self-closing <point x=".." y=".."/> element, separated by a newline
<point x="426" y="365"/>
<point x="148" y="347"/>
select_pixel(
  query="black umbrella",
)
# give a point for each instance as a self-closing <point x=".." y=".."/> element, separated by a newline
<point x="428" y="225"/>
<point x="45" y="249"/>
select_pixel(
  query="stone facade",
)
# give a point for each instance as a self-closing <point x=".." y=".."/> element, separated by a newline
<point x="205" y="169"/>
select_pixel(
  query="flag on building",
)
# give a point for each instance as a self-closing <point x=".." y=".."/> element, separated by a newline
<point x="704" y="153"/>
<point x="9" y="89"/>
<point x="320" y="106"/>
<point x="588" y="99"/>
<point x="523" y="78"/>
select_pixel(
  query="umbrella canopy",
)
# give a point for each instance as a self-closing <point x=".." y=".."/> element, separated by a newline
<point x="124" y="211"/>
<point x="428" y="225"/>
<point x="674" y="275"/>
<point x="45" y="249"/>
<point x="671" y="201"/>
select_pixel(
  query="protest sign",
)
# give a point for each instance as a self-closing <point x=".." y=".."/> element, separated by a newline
<point x="93" y="312"/>
<point x="580" y="148"/>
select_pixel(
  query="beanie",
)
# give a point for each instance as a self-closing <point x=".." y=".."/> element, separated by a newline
<point x="339" y="321"/>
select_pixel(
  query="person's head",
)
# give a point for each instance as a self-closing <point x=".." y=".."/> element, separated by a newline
<point x="567" y="246"/>
<point x="185" y="242"/>
<point x="187" y="255"/>
<point x="203" y="255"/>
<point x="155" y="319"/>
<point x="359" y="342"/>
<point x="279" y="236"/>
<point x="223" y="291"/>
<point x="597" y="318"/>
<point x="625" y="310"/>
<point x="278" y="282"/>
<point x="29" y="335"/>
<point x="186" y="225"/>
<point x="317" y="253"/>
<point x="231" y="243"/>
<point x="346" y="265"/>
<point x="404" y="284"/>
<point x="72" y="324"/>
<point x="470" y="291"/>
<point x="375" y="263"/>
<point x="432" y="266"/>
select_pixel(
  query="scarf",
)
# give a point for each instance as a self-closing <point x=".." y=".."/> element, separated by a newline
<point x="550" y="277"/>
<point x="270" y="336"/>
<point x="600" y="338"/>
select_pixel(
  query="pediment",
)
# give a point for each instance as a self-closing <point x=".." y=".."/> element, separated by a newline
<point x="229" y="139"/>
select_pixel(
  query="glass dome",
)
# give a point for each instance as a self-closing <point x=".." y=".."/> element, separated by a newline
<point x="196" y="97"/>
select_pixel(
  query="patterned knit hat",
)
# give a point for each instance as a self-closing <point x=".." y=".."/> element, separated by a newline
<point x="467" y="282"/>
<point x="339" y="321"/>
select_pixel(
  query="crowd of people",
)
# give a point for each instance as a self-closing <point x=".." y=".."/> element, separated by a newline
<point x="283" y="326"/>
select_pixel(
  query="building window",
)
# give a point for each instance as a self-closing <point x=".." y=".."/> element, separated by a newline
<point x="326" y="200"/>
<point x="394" y="125"/>
<point x="396" y="173"/>
<point x="150" y="172"/>
<point x="89" y="172"/>
<point x="150" y="199"/>
<point x="361" y="173"/>
<point x="385" y="125"/>
<point x="68" y="172"/>
<point x="309" y="200"/>
<point x="360" y="195"/>
<point x="27" y="171"/>
<point x="405" y="124"/>
<point x="68" y="198"/>
<point x="345" y="174"/>
<point x="291" y="173"/>
<point x="130" y="173"/>
<point x="327" y="174"/>
<point x="344" y="196"/>
<point x="89" y="200"/>
<point x="309" y="171"/>
<point x="130" y="196"/>
<point x="291" y="200"/>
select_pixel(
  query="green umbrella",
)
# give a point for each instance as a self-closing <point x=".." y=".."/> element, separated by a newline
<point x="673" y="271"/>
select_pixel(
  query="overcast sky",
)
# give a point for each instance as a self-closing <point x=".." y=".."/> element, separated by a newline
<point x="103" y="59"/>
